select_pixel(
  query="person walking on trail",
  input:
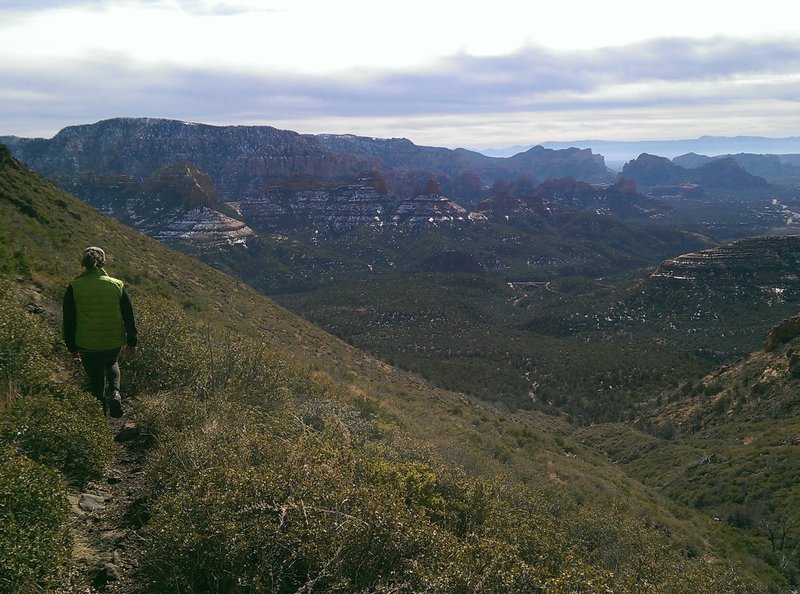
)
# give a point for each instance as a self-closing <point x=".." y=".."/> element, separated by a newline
<point x="98" y="322"/>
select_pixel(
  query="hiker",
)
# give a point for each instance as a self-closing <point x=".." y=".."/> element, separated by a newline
<point x="98" y="322"/>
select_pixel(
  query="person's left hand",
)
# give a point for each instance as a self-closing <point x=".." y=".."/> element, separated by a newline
<point x="130" y="353"/>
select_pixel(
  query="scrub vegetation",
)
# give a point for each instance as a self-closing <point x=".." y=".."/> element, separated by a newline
<point x="280" y="459"/>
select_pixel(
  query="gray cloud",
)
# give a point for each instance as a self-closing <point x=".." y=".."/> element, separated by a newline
<point x="193" y="7"/>
<point x="683" y="72"/>
<point x="535" y="79"/>
<point x="40" y="5"/>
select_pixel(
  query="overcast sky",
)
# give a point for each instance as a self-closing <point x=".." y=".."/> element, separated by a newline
<point x="471" y="74"/>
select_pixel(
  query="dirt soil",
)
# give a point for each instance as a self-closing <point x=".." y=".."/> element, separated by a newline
<point x="106" y="518"/>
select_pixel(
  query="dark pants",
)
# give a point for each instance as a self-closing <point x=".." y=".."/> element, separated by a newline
<point x="103" y="371"/>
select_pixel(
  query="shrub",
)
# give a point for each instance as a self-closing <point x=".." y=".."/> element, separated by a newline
<point x="240" y="507"/>
<point x="25" y="345"/>
<point x="34" y="529"/>
<point x="165" y="414"/>
<point x="66" y="431"/>
<point x="171" y="356"/>
<point x="250" y="372"/>
<point x="177" y="356"/>
<point x="303" y="501"/>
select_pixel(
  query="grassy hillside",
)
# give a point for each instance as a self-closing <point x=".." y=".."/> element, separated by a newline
<point x="726" y="445"/>
<point x="279" y="459"/>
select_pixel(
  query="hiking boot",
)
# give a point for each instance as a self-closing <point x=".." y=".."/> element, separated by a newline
<point x="115" y="404"/>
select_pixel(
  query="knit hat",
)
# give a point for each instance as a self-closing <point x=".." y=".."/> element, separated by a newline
<point x="93" y="257"/>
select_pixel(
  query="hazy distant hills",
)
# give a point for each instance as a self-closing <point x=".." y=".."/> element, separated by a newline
<point x="618" y="153"/>
<point x="723" y="173"/>
<point x="774" y="168"/>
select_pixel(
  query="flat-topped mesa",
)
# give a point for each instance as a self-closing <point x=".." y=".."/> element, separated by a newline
<point x="236" y="156"/>
<point x="767" y="263"/>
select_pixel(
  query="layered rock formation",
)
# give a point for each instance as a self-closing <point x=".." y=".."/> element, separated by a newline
<point x="177" y="204"/>
<point x="570" y="195"/>
<point x="767" y="264"/>
<point x="237" y="156"/>
<point x="363" y="201"/>
<point x="200" y="227"/>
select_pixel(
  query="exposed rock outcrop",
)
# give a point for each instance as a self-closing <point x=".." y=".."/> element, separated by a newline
<point x="201" y="227"/>
<point x="235" y="156"/>
<point x="770" y="265"/>
<point x="557" y="196"/>
<point x="784" y="332"/>
<point x="177" y="204"/>
<point x="363" y="201"/>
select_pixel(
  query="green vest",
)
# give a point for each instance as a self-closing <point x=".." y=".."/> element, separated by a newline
<point x="99" y="325"/>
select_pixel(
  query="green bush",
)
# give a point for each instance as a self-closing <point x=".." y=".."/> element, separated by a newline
<point x="66" y="431"/>
<point x="25" y="345"/>
<point x="34" y="529"/>
<point x="251" y="502"/>
<point x="242" y="508"/>
<point x="175" y="356"/>
<point x="171" y="354"/>
<point x="250" y="372"/>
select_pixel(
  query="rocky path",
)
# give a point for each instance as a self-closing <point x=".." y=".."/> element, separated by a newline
<point x="106" y="515"/>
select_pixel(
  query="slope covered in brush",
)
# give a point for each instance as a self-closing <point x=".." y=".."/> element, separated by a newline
<point x="280" y="459"/>
<point x="726" y="445"/>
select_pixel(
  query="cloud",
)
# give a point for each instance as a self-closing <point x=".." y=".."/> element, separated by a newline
<point x="629" y="88"/>
<point x="676" y="71"/>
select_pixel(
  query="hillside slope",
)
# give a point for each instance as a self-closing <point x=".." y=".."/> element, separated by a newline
<point x="267" y="434"/>
<point x="726" y="445"/>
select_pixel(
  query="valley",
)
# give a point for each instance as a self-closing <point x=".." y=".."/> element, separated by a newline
<point x="562" y="295"/>
<point x="532" y="316"/>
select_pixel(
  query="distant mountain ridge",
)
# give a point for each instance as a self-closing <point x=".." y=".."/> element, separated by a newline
<point x="618" y="152"/>
<point x="774" y="168"/>
<point x="241" y="158"/>
<point x="651" y="170"/>
<point x="192" y="183"/>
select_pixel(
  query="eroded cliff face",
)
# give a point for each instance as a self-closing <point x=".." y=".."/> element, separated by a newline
<point x="235" y="156"/>
<point x="767" y="264"/>
<point x="362" y="202"/>
<point x="200" y="227"/>
<point x="176" y="205"/>
<point x="183" y="182"/>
